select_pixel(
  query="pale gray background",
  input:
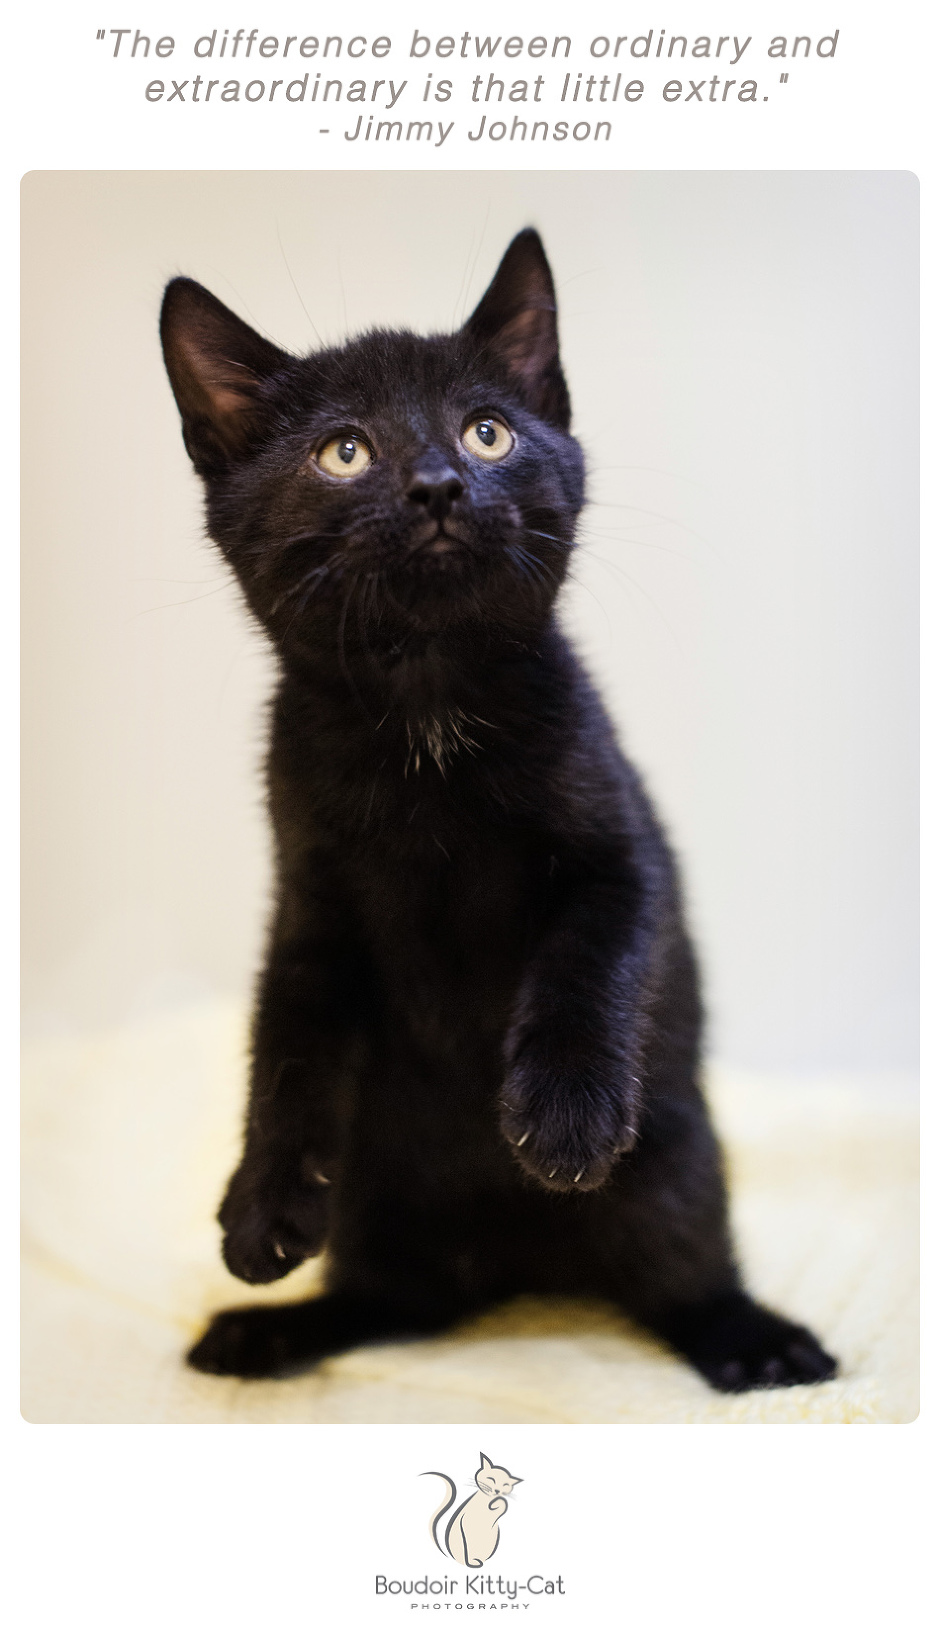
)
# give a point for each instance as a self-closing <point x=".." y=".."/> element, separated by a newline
<point x="742" y="352"/>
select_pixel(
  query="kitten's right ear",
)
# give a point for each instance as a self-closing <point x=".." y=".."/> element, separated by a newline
<point x="516" y="324"/>
<point x="217" y="367"/>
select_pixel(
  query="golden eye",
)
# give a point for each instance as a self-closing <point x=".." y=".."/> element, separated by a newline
<point x="345" y="456"/>
<point x="489" y="439"/>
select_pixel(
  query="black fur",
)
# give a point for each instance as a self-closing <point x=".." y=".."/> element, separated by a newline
<point x="476" y="1045"/>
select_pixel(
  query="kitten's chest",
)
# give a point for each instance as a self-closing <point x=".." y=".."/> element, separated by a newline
<point x="448" y="918"/>
<point x="459" y="899"/>
<point x="444" y="876"/>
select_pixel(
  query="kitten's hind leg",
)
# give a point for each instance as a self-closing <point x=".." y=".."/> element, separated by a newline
<point x="664" y="1232"/>
<point x="272" y="1342"/>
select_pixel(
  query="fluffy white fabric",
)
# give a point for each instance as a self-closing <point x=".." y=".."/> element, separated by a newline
<point x="129" y="1137"/>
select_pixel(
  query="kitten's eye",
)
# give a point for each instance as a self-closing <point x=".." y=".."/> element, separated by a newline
<point x="345" y="456"/>
<point x="489" y="439"/>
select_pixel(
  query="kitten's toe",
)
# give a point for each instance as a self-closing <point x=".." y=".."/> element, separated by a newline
<point x="567" y="1153"/>
<point x="796" y="1364"/>
<point x="740" y="1346"/>
<point x="563" y="1170"/>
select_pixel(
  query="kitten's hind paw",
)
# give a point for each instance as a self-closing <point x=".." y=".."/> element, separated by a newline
<point x="272" y="1343"/>
<point x="740" y="1346"/>
<point x="256" y="1343"/>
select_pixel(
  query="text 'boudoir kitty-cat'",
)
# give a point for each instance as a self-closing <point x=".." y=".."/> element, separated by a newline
<point x="486" y="1585"/>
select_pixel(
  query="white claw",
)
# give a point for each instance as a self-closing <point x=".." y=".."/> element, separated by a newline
<point x="322" y="1179"/>
<point x="580" y="1173"/>
<point x="552" y="1173"/>
<point x="280" y="1251"/>
<point x="523" y="1139"/>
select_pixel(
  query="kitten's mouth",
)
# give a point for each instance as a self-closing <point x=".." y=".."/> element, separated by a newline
<point x="435" y="539"/>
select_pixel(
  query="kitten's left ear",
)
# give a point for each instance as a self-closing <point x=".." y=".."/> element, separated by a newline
<point x="485" y="1464"/>
<point x="515" y="323"/>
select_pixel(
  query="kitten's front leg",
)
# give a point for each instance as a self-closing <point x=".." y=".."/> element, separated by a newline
<point x="570" y="1098"/>
<point x="307" y="1033"/>
<point x="276" y="1208"/>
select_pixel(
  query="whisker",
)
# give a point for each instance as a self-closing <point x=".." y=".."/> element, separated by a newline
<point x="514" y="552"/>
<point x="469" y="276"/>
<point x="606" y="537"/>
<point x="277" y="228"/>
<point x="367" y="592"/>
<point x="563" y="542"/>
<point x="632" y="583"/>
<point x="308" y="537"/>
<point x="341" y="651"/>
<point x="654" y="514"/>
<point x="620" y="536"/>
<point x="311" y="579"/>
<point x="172" y="605"/>
<point x="537" y="565"/>
<point x="648" y="469"/>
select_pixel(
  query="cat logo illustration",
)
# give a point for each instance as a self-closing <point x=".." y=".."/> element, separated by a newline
<point x="472" y="1534"/>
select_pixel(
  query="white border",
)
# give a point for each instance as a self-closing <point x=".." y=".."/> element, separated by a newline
<point x="226" y="1525"/>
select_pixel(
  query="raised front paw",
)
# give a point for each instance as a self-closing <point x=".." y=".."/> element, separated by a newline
<point x="272" y="1220"/>
<point x="567" y="1128"/>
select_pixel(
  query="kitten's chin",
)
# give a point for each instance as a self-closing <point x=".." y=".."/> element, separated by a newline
<point x="440" y="563"/>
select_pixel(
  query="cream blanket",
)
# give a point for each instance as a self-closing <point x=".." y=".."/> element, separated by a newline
<point x="129" y="1137"/>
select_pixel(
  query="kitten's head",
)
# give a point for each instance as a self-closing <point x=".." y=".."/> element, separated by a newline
<point x="494" y="1479"/>
<point x="397" y="480"/>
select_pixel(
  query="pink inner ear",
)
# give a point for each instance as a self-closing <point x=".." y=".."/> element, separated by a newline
<point x="219" y="379"/>
<point x="226" y="401"/>
<point x="527" y="342"/>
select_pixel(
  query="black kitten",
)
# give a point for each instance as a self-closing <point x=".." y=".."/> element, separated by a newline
<point x="476" y="1044"/>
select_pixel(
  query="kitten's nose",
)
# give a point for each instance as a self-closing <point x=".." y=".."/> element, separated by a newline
<point x="436" y="487"/>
